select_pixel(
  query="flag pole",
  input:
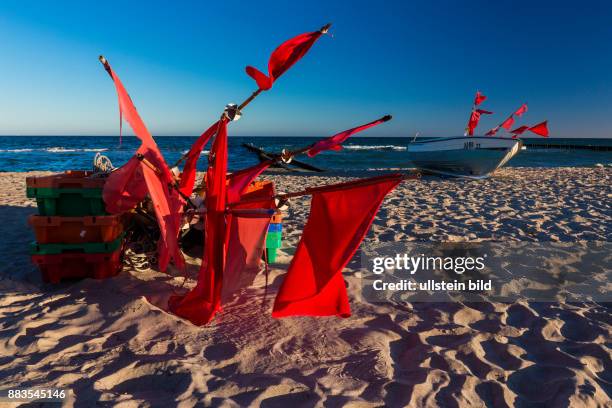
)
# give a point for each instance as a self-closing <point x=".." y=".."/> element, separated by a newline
<point x="288" y="155"/>
<point x="140" y="156"/>
<point x="311" y="190"/>
<point x="255" y="94"/>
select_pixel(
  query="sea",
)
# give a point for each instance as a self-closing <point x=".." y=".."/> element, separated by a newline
<point x="59" y="153"/>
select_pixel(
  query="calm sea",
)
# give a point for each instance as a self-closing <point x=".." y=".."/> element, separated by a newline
<point x="57" y="153"/>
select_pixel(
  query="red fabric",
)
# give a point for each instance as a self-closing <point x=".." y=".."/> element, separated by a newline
<point x="247" y="241"/>
<point x="283" y="57"/>
<point x="126" y="187"/>
<point x="484" y="112"/>
<point x="259" y="198"/>
<point x="479" y="98"/>
<point x="189" y="171"/>
<point x="519" y="130"/>
<point x="492" y="132"/>
<point x="201" y="304"/>
<point x="507" y="124"/>
<point x="340" y="217"/>
<point x="165" y="212"/>
<point x="473" y="122"/>
<point x="540" y="129"/>
<point x="239" y="181"/>
<point x="334" y="142"/>
<point x="519" y="112"/>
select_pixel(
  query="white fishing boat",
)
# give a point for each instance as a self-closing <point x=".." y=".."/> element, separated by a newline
<point x="472" y="156"/>
<point x="463" y="156"/>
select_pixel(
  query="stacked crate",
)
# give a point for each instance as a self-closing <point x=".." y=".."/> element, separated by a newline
<point x="274" y="237"/>
<point x="75" y="237"/>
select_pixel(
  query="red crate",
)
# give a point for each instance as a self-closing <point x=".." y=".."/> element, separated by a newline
<point x="68" y="179"/>
<point x="58" y="267"/>
<point x="76" y="230"/>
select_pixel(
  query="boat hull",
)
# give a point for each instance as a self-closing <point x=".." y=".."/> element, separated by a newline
<point x="470" y="157"/>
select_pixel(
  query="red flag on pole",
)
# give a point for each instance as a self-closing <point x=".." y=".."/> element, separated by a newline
<point x="473" y="122"/>
<point x="335" y="142"/>
<point x="340" y="217"/>
<point x="507" y="124"/>
<point x="492" y="132"/>
<point x="519" y="112"/>
<point x="479" y="98"/>
<point x="519" y="130"/>
<point x="124" y="187"/>
<point x="484" y="112"/>
<point x="540" y="129"/>
<point x="240" y="180"/>
<point x="247" y="241"/>
<point x="283" y="57"/>
<point x="189" y="170"/>
<point x="200" y="304"/>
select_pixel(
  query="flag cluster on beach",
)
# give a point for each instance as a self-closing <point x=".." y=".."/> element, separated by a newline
<point x="236" y="221"/>
<point x="540" y="129"/>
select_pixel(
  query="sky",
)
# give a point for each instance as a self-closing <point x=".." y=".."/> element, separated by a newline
<point x="420" y="61"/>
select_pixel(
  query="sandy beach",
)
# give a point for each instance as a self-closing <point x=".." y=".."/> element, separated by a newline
<point x="110" y="345"/>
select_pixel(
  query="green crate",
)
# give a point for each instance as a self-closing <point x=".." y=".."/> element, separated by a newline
<point x="68" y="202"/>
<point x="85" y="248"/>
<point x="271" y="255"/>
<point x="274" y="239"/>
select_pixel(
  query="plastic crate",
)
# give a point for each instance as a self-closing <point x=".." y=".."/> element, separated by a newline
<point x="69" y="194"/>
<point x="271" y="255"/>
<point x="274" y="227"/>
<point x="58" y="267"/>
<point x="274" y="240"/>
<point x="70" y="179"/>
<point x="78" y="248"/>
<point x="277" y="218"/>
<point x="67" y="202"/>
<point x="74" y="230"/>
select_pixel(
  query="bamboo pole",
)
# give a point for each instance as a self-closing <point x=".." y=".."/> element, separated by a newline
<point x="311" y="190"/>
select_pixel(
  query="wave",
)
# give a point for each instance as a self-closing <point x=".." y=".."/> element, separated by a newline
<point x="54" y="150"/>
<point x="64" y="150"/>
<point x="203" y="151"/>
<point x="375" y="147"/>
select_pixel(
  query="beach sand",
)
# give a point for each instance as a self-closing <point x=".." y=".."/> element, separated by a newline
<point x="109" y="345"/>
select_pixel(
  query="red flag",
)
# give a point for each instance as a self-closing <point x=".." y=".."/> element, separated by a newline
<point x="507" y="124"/>
<point x="340" y="217"/>
<point x="519" y="130"/>
<point x="240" y="180"/>
<point x="484" y="112"/>
<point x="479" y="98"/>
<point x="200" y="304"/>
<point x="473" y="122"/>
<point x="519" y="112"/>
<point x="189" y="171"/>
<point x="126" y="187"/>
<point x="334" y="142"/>
<point x="283" y="57"/>
<point x="492" y="132"/>
<point x="540" y="129"/>
<point x="247" y="241"/>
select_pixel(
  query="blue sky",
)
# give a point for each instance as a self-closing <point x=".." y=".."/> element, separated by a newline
<point x="183" y="61"/>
